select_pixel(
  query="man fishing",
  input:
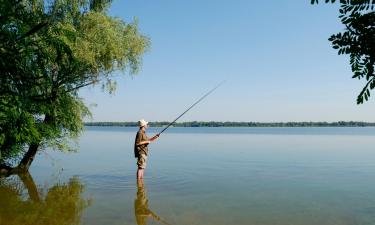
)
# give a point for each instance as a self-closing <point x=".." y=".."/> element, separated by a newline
<point x="142" y="141"/>
<point x="141" y="147"/>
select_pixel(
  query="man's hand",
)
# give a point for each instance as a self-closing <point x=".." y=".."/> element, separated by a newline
<point x="154" y="137"/>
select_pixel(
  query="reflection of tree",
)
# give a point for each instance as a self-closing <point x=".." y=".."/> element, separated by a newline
<point x="142" y="212"/>
<point x="62" y="204"/>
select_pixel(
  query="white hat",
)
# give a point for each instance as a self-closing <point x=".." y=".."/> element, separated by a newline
<point x="142" y="123"/>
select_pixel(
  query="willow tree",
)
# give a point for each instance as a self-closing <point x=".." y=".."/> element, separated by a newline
<point x="49" y="50"/>
<point x="357" y="40"/>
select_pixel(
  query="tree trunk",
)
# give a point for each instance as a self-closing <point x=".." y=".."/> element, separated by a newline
<point x="5" y="170"/>
<point x="25" y="163"/>
<point x="28" y="158"/>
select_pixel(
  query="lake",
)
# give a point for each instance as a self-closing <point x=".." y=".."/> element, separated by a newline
<point x="258" y="176"/>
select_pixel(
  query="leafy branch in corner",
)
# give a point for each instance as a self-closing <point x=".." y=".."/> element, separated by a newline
<point x="357" y="40"/>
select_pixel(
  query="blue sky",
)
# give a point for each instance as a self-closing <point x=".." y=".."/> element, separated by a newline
<point x="274" y="55"/>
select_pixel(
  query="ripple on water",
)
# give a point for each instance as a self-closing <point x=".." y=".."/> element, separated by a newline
<point x="115" y="180"/>
<point x="109" y="182"/>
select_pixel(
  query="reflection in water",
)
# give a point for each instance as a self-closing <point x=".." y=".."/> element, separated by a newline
<point x="22" y="203"/>
<point x="142" y="212"/>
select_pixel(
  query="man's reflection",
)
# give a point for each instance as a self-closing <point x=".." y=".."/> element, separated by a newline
<point x="142" y="212"/>
<point x="23" y="202"/>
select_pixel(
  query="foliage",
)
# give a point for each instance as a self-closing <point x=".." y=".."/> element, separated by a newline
<point x="358" y="40"/>
<point x="49" y="50"/>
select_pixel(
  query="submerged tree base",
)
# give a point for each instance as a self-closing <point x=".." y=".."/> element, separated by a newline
<point x="24" y="164"/>
<point x="6" y="171"/>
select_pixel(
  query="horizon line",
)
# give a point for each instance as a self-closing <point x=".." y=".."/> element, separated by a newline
<point x="228" y="121"/>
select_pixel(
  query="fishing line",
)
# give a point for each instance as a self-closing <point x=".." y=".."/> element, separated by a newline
<point x="204" y="96"/>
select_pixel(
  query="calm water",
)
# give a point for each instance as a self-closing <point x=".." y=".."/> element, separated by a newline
<point x="258" y="176"/>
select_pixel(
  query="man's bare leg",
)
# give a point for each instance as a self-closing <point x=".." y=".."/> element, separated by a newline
<point x="140" y="173"/>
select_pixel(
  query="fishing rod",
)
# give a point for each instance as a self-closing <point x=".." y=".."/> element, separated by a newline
<point x="204" y="96"/>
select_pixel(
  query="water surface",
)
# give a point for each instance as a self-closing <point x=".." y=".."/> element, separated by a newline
<point x="259" y="176"/>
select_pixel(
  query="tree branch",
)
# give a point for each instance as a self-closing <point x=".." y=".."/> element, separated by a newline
<point x="33" y="30"/>
<point x="80" y="86"/>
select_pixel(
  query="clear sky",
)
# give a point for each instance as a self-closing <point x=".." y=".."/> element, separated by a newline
<point x="274" y="55"/>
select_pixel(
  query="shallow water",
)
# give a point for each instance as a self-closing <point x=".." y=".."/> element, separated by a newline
<point x="260" y="176"/>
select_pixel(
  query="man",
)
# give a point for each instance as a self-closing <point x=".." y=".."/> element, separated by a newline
<point x="141" y="147"/>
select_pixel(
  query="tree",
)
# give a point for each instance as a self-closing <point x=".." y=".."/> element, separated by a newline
<point x="358" y="40"/>
<point x="49" y="50"/>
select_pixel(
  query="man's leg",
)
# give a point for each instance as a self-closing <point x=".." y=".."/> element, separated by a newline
<point x="141" y="166"/>
<point x="140" y="173"/>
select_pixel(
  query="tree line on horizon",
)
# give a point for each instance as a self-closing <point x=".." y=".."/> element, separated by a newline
<point x="239" y="124"/>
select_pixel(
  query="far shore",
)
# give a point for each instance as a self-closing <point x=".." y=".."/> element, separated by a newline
<point x="238" y="124"/>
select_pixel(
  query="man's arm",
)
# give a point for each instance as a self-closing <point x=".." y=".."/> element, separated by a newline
<point x="148" y="141"/>
<point x="154" y="137"/>
<point x="143" y="142"/>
